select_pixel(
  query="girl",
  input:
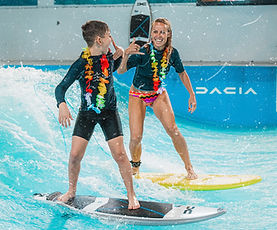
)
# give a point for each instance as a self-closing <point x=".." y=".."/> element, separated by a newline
<point x="152" y="64"/>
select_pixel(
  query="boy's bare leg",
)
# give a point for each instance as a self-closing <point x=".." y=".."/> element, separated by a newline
<point x="77" y="152"/>
<point x="120" y="156"/>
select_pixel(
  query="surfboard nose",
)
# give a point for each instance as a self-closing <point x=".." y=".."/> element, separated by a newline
<point x="37" y="194"/>
<point x="221" y="211"/>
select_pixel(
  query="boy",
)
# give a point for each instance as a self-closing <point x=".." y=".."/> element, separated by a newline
<point x="94" y="70"/>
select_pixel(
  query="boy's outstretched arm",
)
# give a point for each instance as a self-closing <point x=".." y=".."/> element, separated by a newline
<point x="132" y="49"/>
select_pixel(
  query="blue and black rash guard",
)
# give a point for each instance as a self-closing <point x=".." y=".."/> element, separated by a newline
<point x="143" y="79"/>
<point x="77" y="72"/>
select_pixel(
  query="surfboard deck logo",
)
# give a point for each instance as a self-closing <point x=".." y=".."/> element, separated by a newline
<point x="140" y="22"/>
<point x="150" y="213"/>
<point x="203" y="182"/>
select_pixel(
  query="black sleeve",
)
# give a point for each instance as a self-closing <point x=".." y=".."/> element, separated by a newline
<point x="117" y="63"/>
<point x="176" y="61"/>
<point x="72" y="74"/>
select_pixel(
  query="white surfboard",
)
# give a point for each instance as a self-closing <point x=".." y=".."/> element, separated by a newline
<point x="140" y="22"/>
<point x="150" y="213"/>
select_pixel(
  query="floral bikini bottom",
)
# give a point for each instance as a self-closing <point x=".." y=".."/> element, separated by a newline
<point x="148" y="98"/>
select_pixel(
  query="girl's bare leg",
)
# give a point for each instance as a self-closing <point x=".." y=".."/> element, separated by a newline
<point x="137" y="109"/>
<point x="164" y="112"/>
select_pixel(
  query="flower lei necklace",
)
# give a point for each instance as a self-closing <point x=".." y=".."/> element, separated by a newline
<point x="100" y="100"/>
<point x="154" y="64"/>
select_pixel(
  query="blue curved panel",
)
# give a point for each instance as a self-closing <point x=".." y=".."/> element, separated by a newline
<point x="227" y="96"/>
<point x="18" y="2"/>
<point x="97" y="2"/>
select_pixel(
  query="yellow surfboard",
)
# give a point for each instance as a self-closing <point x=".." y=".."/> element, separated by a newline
<point x="204" y="182"/>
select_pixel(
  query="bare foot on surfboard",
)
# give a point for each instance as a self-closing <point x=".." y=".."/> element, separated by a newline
<point x="133" y="203"/>
<point x="191" y="174"/>
<point x="66" y="197"/>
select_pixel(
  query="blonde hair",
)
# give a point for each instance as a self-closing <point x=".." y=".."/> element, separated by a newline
<point x="169" y="39"/>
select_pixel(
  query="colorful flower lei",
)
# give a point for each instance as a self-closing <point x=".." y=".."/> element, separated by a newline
<point x="154" y="64"/>
<point x="100" y="99"/>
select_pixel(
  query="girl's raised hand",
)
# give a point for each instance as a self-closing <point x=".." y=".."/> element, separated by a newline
<point x="133" y="48"/>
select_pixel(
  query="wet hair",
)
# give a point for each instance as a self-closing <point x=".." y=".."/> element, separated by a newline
<point x="169" y="39"/>
<point x="92" y="29"/>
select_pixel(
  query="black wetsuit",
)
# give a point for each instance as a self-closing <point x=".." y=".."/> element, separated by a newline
<point x="143" y="78"/>
<point x="86" y="120"/>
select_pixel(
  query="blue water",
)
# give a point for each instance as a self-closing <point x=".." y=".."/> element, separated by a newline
<point x="34" y="156"/>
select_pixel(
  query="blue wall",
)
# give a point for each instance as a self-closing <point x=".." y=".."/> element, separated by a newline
<point x="18" y="2"/>
<point x="227" y="96"/>
<point x="77" y="2"/>
<point x="82" y="2"/>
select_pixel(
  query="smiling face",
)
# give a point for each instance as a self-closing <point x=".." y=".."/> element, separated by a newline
<point x="159" y="35"/>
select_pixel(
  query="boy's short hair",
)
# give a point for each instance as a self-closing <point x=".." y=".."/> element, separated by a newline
<point x="92" y="29"/>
